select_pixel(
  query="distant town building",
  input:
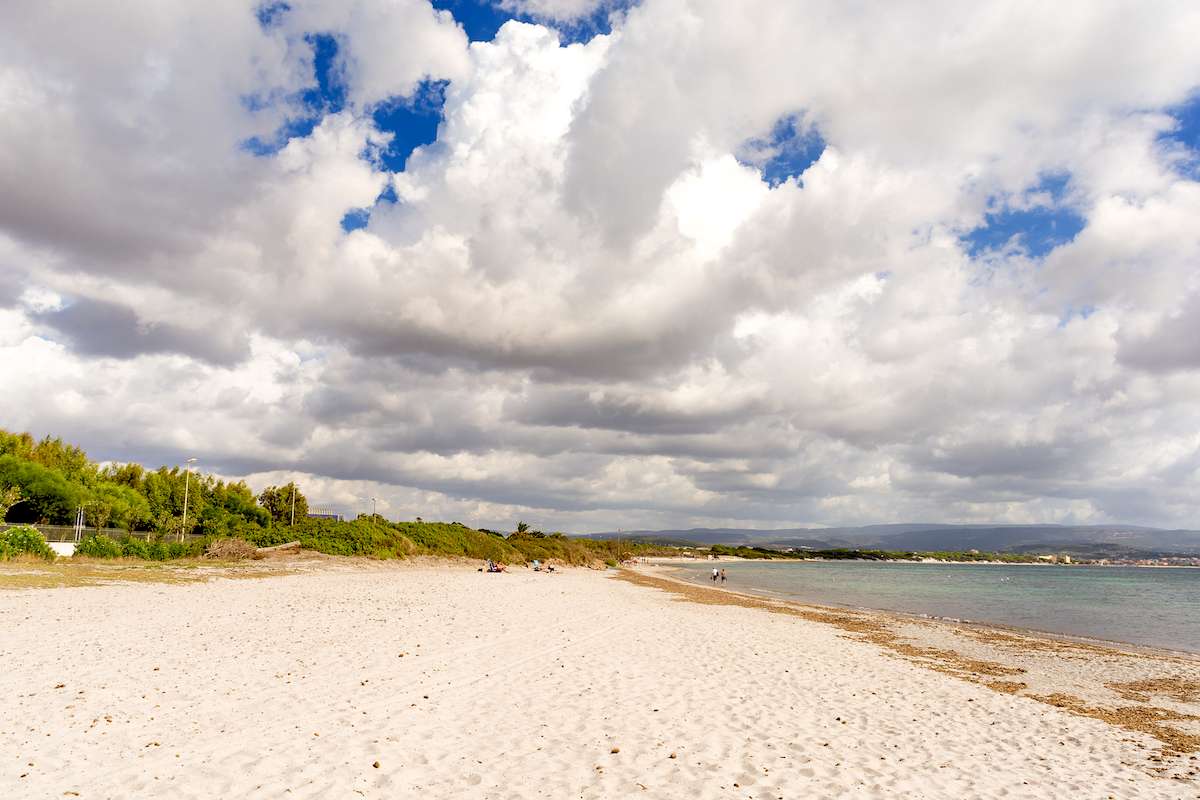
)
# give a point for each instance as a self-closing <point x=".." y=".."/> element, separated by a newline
<point x="324" y="512"/>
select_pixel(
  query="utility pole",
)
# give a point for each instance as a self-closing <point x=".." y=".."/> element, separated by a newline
<point x="373" y="499"/>
<point x="186" y="480"/>
<point x="293" y="503"/>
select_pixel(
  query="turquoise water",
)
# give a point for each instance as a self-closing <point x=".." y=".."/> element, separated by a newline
<point x="1155" y="607"/>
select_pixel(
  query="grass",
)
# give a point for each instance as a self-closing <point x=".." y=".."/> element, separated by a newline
<point x="100" y="572"/>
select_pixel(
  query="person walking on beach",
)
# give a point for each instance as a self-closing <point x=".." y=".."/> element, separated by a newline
<point x="722" y="576"/>
<point x="714" y="575"/>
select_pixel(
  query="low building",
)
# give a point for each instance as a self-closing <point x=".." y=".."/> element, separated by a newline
<point x="324" y="512"/>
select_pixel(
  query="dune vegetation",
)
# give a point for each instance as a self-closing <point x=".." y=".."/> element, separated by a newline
<point x="141" y="516"/>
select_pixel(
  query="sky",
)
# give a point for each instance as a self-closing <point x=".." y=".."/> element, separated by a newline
<point x="596" y="264"/>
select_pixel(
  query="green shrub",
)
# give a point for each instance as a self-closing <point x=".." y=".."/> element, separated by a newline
<point x="24" y="540"/>
<point x="98" y="546"/>
<point x="439" y="538"/>
<point x="371" y="537"/>
<point x="101" y="546"/>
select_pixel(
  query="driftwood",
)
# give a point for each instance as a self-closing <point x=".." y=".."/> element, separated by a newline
<point x="289" y="547"/>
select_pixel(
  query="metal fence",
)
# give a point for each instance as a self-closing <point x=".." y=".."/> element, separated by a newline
<point x="66" y="533"/>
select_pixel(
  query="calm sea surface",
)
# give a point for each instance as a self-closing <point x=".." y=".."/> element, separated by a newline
<point x="1155" y="607"/>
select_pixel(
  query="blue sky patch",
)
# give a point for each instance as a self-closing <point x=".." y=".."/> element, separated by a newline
<point x="1187" y="133"/>
<point x="412" y="121"/>
<point x="327" y="96"/>
<point x="790" y="148"/>
<point x="479" y="18"/>
<point x="269" y="13"/>
<point x="482" y="18"/>
<point x="1040" y="223"/>
<point x="355" y="219"/>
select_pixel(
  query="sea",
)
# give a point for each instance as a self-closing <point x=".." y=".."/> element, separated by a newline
<point x="1151" y="606"/>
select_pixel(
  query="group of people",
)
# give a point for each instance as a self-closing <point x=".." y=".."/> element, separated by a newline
<point x="496" y="566"/>
<point x="718" y="574"/>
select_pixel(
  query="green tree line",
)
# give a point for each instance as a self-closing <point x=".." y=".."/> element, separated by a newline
<point x="46" y="481"/>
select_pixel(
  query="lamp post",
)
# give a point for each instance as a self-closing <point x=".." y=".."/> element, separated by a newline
<point x="373" y="499"/>
<point x="186" y="481"/>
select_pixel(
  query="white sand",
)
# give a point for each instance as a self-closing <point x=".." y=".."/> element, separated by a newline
<point x="514" y="685"/>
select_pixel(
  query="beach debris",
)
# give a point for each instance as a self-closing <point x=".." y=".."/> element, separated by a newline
<point x="231" y="550"/>
<point x="375" y="765"/>
<point x="615" y="750"/>
<point x="673" y="755"/>
<point x="1179" y="689"/>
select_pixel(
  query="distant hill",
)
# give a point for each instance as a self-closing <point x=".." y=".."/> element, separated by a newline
<point x="938" y="536"/>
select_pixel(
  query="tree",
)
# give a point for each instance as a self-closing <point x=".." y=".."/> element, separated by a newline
<point x="277" y="500"/>
<point x="46" y="496"/>
<point x="64" y="458"/>
<point x="522" y="527"/>
<point x="130" y="475"/>
<point x="116" y="505"/>
<point x="9" y="498"/>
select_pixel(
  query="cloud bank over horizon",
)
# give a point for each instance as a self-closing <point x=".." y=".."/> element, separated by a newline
<point x="600" y="264"/>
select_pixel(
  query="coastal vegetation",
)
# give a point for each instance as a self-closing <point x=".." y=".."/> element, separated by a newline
<point x="142" y="514"/>
<point x="47" y="481"/>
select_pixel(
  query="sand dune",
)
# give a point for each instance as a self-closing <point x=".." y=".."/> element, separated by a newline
<point x="394" y="682"/>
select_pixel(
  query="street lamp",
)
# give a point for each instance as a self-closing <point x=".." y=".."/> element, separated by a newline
<point x="186" y="481"/>
<point x="373" y="499"/>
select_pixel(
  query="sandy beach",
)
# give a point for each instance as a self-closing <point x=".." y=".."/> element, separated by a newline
<point x="386" y="681"/>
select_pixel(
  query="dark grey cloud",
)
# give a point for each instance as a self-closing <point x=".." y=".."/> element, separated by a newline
<point x="1173" y="345"/>
<point x="624" y="411"/>
<point x="107" y="329"/>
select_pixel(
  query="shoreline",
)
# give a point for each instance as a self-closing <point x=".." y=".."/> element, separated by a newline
<point x="1115" y="644"/>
